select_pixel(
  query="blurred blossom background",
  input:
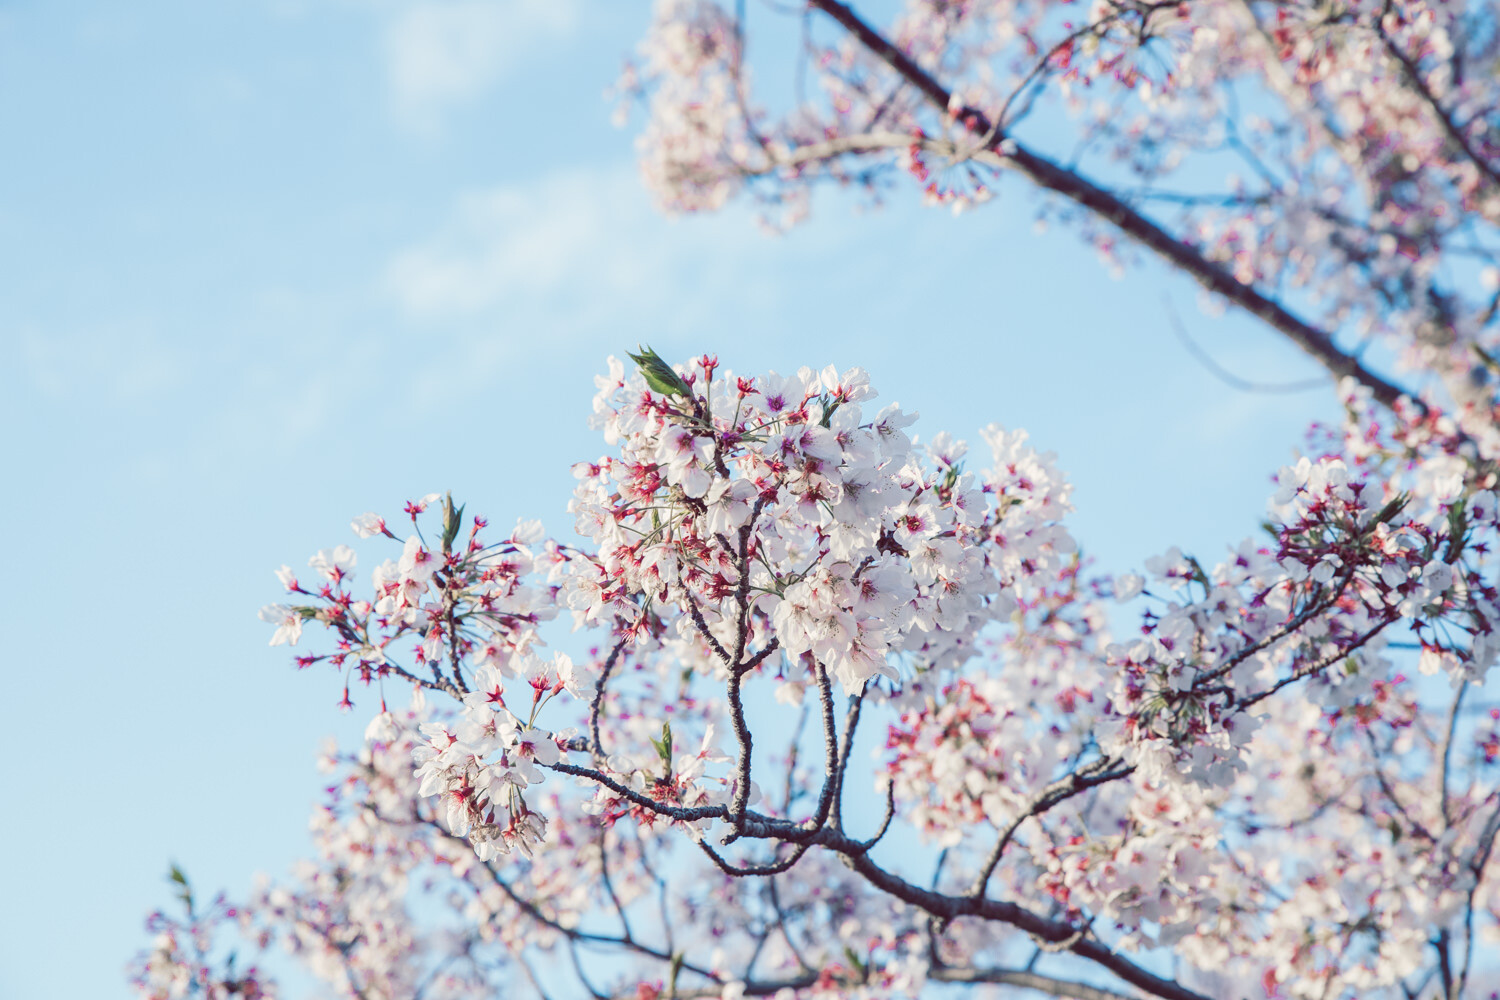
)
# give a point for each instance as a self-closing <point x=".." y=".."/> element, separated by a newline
<point x="269" y="264"/>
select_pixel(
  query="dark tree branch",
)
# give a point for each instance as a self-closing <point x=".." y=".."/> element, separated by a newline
<point x="948" y="908"/>
<point x="696" y="613"/>
<point x="739" y="871"/>
<point x="851" y="723"/>
<point x="944" y="907"/>
<point x="1443" y="115"/>
<point x="761" y="656"/>
<point x="1107" y="206"/>
<point x="597" y="706"/>
<point x="742" y="765"/>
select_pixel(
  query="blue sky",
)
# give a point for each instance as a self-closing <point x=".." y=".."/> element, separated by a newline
<point x="272" y="263"/>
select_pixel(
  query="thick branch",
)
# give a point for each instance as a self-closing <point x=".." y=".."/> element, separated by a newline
<point x="1051" y="931"/>
<point x="841" y="764"/>
<point x="939" y="905"/>
<point x="1005" y="977"/>
<point x="742" y="765"/>
<point x="1105" y="205"/>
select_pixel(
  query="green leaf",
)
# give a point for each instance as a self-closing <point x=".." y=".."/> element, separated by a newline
<point x="1198" y="575"/>
<point x="184" y="892"/>
<point x="1458" y="527"/>
<point x="664" y="746"/>
<point x="675" y="968"/>
<point x="658" y="374"/>
<point x="452" y="521"/>
<point x="829" y="405"/>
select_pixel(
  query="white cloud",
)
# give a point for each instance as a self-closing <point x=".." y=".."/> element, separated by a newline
<point x="577" y="263"/>
<point x="577" y="246"/>
<point x="516" y="244"/>
<point x="442" y="52"/>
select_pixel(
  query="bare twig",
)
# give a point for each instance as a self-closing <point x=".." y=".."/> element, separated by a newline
<point x="1090" y="775"/>
<point x="597" y="705"/>
<point x="1458" y="700"/>
<point x="1223" y="374"/>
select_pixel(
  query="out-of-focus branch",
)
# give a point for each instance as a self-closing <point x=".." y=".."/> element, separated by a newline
<point x="1090" y="775"/>
<point x="1443" y="115"/>
<point x="1025" y="979"/>
<point x="1107" y="206"/>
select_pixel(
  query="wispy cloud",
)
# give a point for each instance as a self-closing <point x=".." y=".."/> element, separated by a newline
<point x="577" y="263"/>
<point x="443" y="52"/>
<point x="515" y="244"/>
<point x="577" y="244"/>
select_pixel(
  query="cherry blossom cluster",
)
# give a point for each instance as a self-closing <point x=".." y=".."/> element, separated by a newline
<point x="344" y="913"/>
<point x="1186" y="824"/>
<point x="463" y="619"/>
<point x="182" y="961"/>
<point x="778" y="495"/>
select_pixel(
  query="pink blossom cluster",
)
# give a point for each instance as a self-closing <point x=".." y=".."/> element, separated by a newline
<point x="180" y="962"/>
<point x="858" y="548"/>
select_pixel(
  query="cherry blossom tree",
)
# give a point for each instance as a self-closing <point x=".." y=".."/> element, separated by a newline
<point x="843" y="710"/>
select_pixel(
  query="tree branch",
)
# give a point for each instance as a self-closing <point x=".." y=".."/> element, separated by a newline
<point x="1444" y="117"/>
<point x="597" y="706"/>
<point x="1105" y="205"/>
<point x="1044" y="929"/>
<point x="1088" y="776"/>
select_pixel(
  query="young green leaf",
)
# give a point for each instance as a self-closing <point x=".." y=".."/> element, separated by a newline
<point x="1458" y="527"/>
<point x="452" y="521"/>
<point x="664" y="746"/>
<point x="184" y="890"/>
<point x="658" y="374"/>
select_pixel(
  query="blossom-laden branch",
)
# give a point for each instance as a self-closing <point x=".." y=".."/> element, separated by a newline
<point x="1249" y="785"/>
<point x="1358" y="200"/>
